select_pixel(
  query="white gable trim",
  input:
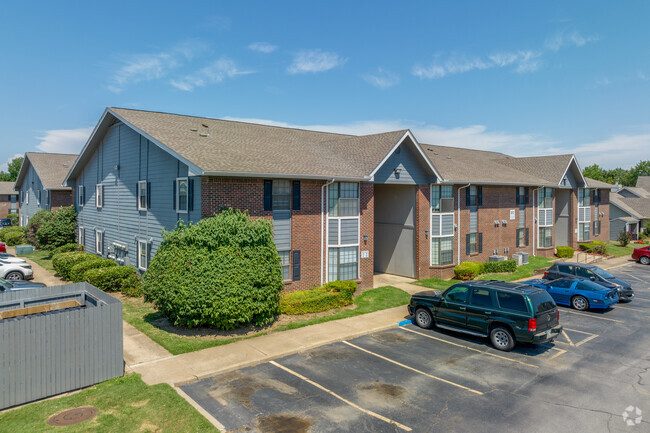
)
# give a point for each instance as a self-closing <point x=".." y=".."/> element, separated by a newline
<point x="573" y="160"/>
<point x="417" y="146"/>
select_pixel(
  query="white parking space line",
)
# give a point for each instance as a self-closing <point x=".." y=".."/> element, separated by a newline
<point x="468" y="348"/>
<point x="348" y="402"/>
<point x="592" y="316"/>
<point x="414" y="369"/>
<point x="636" y="278"/>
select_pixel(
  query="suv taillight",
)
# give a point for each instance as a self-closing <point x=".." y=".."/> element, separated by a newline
<point x="545" y="273"/>
<point x="532" y="325"/>
<point x="558" y="315"/>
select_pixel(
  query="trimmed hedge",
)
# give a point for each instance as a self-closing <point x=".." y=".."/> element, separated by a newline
<point x="599" y="247"/>
<point x="13" y="235"/>
<point x="78" y="270"/>
<point x="565" y="252"/>
<point x="123" y="279"/>
<point x="336" y="294"/>
<point x="64" y="262"/>
<point x="67" y="248"/>
<point x="498" y="267"/>
<point x="468" y="270"/>
<point x="223" y="271"/>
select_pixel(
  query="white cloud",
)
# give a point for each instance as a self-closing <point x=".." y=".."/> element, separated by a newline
<point x="314" y="61"/>
<point x="564" y="38"/>
<point x="262" y="47"/>
<point x="621" y="150"/>
<point x="64" y="140"/>
<point x="152" y="66"/>
<point x="216" y="72"/>
<point x="382" y="79"/>
<point x="5" y="166"/>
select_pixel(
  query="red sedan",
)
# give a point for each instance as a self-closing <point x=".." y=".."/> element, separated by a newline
<point x="642" y="255"/>
<point x="3" y="248"/>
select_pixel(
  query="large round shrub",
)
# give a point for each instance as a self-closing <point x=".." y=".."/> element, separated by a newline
<point x="223" y="271"/>
<point x="77" y="271"/>
<point x="58" y="228"/>
<point x="63" y="263"/>
<point x="467" y="270"/>
<point x="13" y="235"/>
<point x="123" y="279"/>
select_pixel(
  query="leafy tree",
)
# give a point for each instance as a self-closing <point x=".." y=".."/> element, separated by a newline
<point x="58" y="229"/>
<point x="13" y="169"/>
<point x="618" y="175"/>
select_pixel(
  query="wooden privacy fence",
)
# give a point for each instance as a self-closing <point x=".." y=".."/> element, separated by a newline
<point x="57" y="339"/>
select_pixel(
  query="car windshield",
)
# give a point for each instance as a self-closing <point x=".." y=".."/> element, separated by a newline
<point x="602" y="273"/>
<point x="5" y="285"/>
<point x="542" y="302"/>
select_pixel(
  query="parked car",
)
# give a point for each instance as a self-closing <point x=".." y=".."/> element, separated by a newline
<point x="590" y="272"/>
<point x="642" y="255"/>
<point x="580" y="294"/>
<point x="5" y="222"/>
<point x="505" y="312"/>
<point x="12" y="286"/>
<point x="6" y="257"/>
<point x="3" y="247"/>
<point x="15" y="271"/>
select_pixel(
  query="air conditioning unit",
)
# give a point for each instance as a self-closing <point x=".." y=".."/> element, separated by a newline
<point x="497" y="258"/>
<point x="524" y="257"/>
<point x="518" y="258"/>
<point x="446" y="204"/>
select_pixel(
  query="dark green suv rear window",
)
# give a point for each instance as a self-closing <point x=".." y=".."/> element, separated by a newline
<point x="542" y="302"/>
<point x="512" y="301"/>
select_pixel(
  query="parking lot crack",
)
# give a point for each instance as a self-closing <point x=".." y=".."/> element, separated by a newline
<point x="438" y="417"/>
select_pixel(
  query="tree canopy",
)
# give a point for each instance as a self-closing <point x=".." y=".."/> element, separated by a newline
<point x="12" y="171"/>
<point x="618" y="175"/>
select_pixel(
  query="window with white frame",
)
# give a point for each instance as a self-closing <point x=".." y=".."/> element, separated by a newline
<point x="584" y="214"/>
<point x="38" y="198"/>
<point x="545" y="218"/>
<point x="442" y="225"/>
<point x="285" y="261"/>
<point x="343" y="231"/>
<point x="99" y="242"/>
<point x="281" y="194"/>
<point x="99" y="195"/>
<point x="80" y="195"/>
<point x="142" y="195"/>
<point x="143" y="256"/>
<point x="27" y="197"/>
<point x="81" y="236"/>
<point x="182" y="189"/>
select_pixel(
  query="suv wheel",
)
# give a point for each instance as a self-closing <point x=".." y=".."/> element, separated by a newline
<point x="14" y="275"/>
<point x="580" y="303"/>
<point x="423" y="318"/>
<point x="502" y="339"/>
<point x="645" y="260"/>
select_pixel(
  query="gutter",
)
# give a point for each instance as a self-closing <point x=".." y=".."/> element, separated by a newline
<point x="322" y="226"/>
<point x="535" y="218"/>
<point x="281" y="176"/>
<point x="458" y="228"/>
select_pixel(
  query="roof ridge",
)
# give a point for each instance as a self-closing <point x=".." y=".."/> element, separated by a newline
<point x="52" y="153"/>
<point x="464" y="148"/>
<point x="237" y="121"/>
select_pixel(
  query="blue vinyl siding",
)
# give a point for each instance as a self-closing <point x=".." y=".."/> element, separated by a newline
<point x="412" y="170"/>
<point x="121" y="160"/>
<point x="33" y="184"/>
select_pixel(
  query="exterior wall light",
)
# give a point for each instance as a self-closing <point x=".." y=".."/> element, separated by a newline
<point x="426" y="233"/>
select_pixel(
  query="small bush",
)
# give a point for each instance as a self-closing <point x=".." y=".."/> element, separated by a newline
<point x="14" y="218"/>
<point x="35" y="223"/>
<point x="77" y="271"/>
<point x="499" y="267"/>
<point x="565" y="252"/>
<point x="13" y="235"/>
<point x="596" y="247"/>
<point x="347" y="288"/>
<point x="624" y="238"/>
<point x="336" y="294"/>
<point x="58" y="229"/>
<point x="123" y="279"/>
<point x="67" y="248"/>
<point x="64" y="262"/>
<point x="468" y="270"/>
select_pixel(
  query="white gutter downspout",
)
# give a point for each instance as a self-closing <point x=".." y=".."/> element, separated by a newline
<point x="458" y="227"/>
<point x="322" y="227"/>
<point x="535" y="217"/>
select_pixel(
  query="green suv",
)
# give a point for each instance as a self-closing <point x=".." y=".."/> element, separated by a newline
<point x="505" y="312"/>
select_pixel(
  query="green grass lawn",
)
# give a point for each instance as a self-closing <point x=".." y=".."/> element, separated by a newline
<point x="41" y="257"/>
<point x="126" y="404"/>
<point x="615" y="249"/>
<point x="144" y="315"/>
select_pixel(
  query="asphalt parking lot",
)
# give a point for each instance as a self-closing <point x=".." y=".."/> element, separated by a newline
<point x="409" y="379"/>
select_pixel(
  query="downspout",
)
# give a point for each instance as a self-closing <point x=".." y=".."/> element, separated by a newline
<point x="535" y="217"/>
<point x="458" y="228"/>
<point x="322" y="226"/>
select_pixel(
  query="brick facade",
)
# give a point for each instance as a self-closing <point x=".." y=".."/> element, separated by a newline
<point x="60" y="198"/>
<point x="6" y="205"/>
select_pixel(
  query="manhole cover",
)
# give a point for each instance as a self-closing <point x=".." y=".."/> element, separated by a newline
<point x="73" y="416"/>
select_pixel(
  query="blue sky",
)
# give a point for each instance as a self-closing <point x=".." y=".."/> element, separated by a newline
<point x="524" y="78"/>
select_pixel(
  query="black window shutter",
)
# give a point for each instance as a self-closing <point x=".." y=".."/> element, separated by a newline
<point x="467" y="196"/>
<point x="480" y="242"/>
<point x="296" y="265"/>
<point x="527" y="197"/>
<point x="268" y="198"/>
<point x="148" y="254"/>
<point x="148" y="195"/>
<point x="190" y="194"/>
<point x="174" y="195"/>
<point x="296" y="195"/>
<point x="595" y="225"/>
<point x="594" y="195"/>
<point x="526" y="236"/>
<point x="467" y="242"/>
<point x="518" y="201"/>
<point x="83" y="195"/>
<point x="480" y="195"/>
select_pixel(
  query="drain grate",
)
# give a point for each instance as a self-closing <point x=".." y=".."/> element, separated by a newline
<point x="73" y="416"/>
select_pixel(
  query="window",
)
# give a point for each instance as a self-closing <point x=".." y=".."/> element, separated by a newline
<point x="143" y="255"/>
<point x="545" y="237"/>
<point x="99" y="242"/>
<point x="38" y="198"/>
<point x="99" y="195"/>
<point x="562" y="284"/>
<point x="522" y="195"/>
<point x="545" y="198"/>
<point x="285" y="263"/>
<point x="512" y="301"/>
<point x="481" y="298"/>
<point x="81" y="236"/>
<point x="545" y="227"/>
<point x="457" y="294"/>
<point x="584" y="197"/>
<point x="181" y="195"/>
<point x="439" y="192"/>
<point x="521" y="237"/>
<point x="472" y="243"/>
<point x="80" y="195"/>
<point x="343" y="263"/>
<point x="584" y="214"/>
<point x="584" y="273"/>
<point x="442" y="239"/>
<point x="26" y="197"/>
<point x="566" y="269"/>
<point x="281" y="194"/>
<point x="343" y="199"/>
<point x="473" y="196"/>
<point x="142" y="195"/>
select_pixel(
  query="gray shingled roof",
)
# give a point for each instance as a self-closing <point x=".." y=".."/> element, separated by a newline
<point x="220" y="146"/>
<point x="643" y="182"/>
<point x="7" y="188"/>
<point x="52" y="168"/>
<point x="635" y="206"/>
<point x="593" y="183"/>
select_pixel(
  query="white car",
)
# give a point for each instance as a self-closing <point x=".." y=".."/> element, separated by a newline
<point x="15" y="271"/>
<point x="11" y="259"/>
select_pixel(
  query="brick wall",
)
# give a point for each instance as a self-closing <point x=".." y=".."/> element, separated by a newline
<point x="367" y="226"/>
<point x="60" y="199"/>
